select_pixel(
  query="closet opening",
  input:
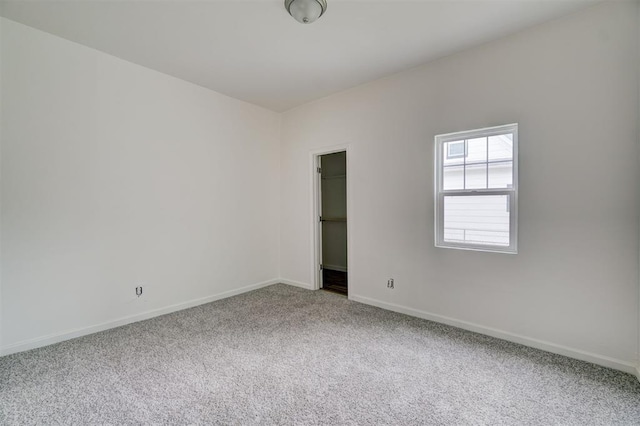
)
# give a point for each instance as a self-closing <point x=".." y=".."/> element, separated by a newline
<point x="332" y="222"/>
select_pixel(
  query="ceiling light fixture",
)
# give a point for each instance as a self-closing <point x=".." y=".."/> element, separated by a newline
<point x="305" y="11"/>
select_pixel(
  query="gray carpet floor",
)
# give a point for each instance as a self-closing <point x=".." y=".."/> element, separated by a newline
<point x="283" y="355"/>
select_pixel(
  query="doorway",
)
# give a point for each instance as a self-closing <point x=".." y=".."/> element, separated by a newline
<point x="332" y="203"/>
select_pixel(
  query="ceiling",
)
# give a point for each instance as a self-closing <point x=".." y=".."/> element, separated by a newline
<point x="256" y="52"/>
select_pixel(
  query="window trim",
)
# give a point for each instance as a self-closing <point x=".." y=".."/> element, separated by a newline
<point x="439" y="193"/>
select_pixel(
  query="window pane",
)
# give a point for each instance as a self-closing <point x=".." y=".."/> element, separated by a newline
<point x="477" y="219"/>
<point x="500" y="156"/>
<point x="501" y="174"/>
<point x="453" y="177"/>
<point x="501" y="147"/>
<point x="452" y="154"/>
<point x="477" y="150"/>
<point x="455" y="149"/>
<point x="476" y="164"/>
<point x="476" y="176"/>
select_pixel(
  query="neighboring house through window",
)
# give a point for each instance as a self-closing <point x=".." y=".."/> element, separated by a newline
<point x="476" y="189"/>
<point x="456" y="149"/>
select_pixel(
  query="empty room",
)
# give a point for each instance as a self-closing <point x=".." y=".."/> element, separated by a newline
<point x="320" y="212"/>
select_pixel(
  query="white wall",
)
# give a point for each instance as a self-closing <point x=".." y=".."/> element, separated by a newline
<point x="572" y="85"/>
<point x="1" y="127"/>
<point x="115" y="176"/>
<point x="638" y="124"/>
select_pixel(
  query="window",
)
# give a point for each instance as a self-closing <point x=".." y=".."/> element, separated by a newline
<point x="476" y="189"/>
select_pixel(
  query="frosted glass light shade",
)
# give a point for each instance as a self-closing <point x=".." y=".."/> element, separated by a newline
<point x="306" y="11"/>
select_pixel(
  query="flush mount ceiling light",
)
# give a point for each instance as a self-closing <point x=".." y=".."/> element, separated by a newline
<point x="305" y="11"/>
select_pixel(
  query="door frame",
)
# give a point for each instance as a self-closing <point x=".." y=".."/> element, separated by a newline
<point x="316" y="237"/>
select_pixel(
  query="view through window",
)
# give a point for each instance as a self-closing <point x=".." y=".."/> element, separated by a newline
<point x="476" y="189"/>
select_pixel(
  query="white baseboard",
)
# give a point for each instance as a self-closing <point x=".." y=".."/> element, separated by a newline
<point x="335" y="267"/>
<point x="527" y="341"/>
<point x="605" y="361"/>
<point x="71" y="334"/>
<point x="296" y="283"/>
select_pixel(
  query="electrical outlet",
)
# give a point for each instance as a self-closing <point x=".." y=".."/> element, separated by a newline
<point x="390" y="283"/>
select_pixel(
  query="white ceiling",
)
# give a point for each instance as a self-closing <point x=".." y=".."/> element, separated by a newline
<point x="254" y="51"/>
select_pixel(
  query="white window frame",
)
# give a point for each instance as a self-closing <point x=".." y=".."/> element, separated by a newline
<point x="440" y="193"/>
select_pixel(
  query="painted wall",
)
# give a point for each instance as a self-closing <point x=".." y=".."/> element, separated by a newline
<point x="1" y="126"/>
<point x="572" y="85"/>
<point x="638" y="124"/>
<point x="116" y="176"/>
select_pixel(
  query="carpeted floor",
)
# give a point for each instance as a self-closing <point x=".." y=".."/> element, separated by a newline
<point x="283" y="355"/>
